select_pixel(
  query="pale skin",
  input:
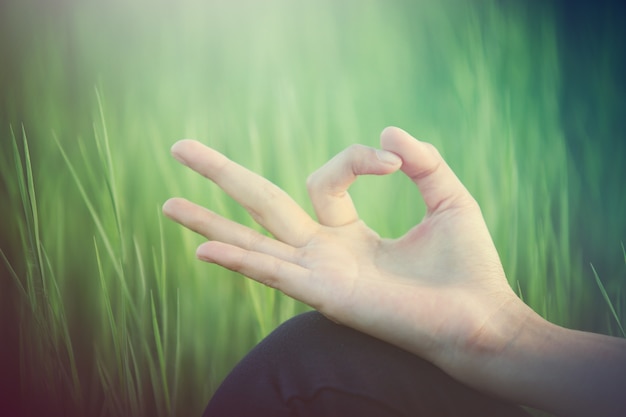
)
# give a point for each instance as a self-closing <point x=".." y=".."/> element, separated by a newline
<point x="439" y="291"/>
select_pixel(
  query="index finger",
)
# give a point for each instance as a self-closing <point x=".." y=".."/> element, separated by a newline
<point x="268" y="205"/>
<point x="328" y="186"/>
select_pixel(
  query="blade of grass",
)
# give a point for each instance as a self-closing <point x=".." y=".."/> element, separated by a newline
<point x="27" y="209"/>
<point x="107" y="302"/>
<point x="32" y="199"/>
<point x="137" y="403"/>
<point x="142" y="269"/>
<point x="259" y="312"/>
<point x="114" y="258"/>
<point x="112" y="401"/>
<point x="107" y="167"/>
<point x="162" y="283"/>
<point x="153" y="371"/>
<point x="16" y="278"/>
<point x="608" y="300"/>
<point x="92" y="211"/>
<point x="56" y="303"/>
<point x="177" y="357"/>
<point x="160" y="357"/>
<point x="519" y="291"/>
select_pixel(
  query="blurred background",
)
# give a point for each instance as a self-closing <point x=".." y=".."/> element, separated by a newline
<point x="104" y="309"/>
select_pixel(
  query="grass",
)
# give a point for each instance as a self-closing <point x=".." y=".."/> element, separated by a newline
<point x="115" y="316"/>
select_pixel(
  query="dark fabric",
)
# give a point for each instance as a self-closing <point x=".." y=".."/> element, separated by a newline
<point x="310" y="366"/>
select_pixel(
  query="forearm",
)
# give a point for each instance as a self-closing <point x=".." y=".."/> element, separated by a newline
<point x="566" y="372"/>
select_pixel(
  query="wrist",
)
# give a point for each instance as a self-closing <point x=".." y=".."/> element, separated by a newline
<point x="488" y="355"/>
<point x="523" y="358"/>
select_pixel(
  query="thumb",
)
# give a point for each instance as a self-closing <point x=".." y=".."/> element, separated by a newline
<point x="439" y="186"/>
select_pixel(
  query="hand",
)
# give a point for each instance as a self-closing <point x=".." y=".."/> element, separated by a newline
<point x="434" y="292"/>
<point x="439" y="291"/>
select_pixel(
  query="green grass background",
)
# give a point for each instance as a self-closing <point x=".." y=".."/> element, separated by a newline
<point x="104" y="309"/>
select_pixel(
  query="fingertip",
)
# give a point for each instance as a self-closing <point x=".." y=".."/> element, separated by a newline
<point x="180" y="148"/>
<point x="392" y="134"/>
<point x="180" y="144"/>
<point x="166" y="208"/>
<point x="391" y="130"/>
<point x="388" y="157"/>
<point x="203" y="252"/>
<point x="171" y="205"/>
<point x="402" y="143"/>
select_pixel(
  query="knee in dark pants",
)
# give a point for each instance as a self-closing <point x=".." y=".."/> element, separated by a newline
<point x="310" y="366"/>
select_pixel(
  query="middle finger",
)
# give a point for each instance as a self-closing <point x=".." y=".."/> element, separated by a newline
<point x="269" y="205"/>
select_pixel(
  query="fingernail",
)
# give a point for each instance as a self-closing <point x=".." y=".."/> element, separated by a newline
<point x="177" y="155"/>
<point x="202" y="255"/>
<point x="388" y="157"/>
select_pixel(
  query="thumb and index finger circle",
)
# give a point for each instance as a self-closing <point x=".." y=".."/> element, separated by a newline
<point x="420" y="161"/>
<point x="328" y="186"/>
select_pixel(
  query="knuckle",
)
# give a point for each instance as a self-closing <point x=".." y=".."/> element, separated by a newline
<point x="426" y="171"/>
<point x="219" y="170"/>
<point x="270" y="282"/>
<point x="234" y="264"/>
<point x="254" y="240"/>
<point x="313" y="180"/>
<point x="356" y="149"/>
<point x="204" y="223"/>
<point x="432" y="148"/>
<point x="270" y="192"/>
<point x="361" y="160"/>
<point x="473" y="204"/>
<point x="332" y="175"/>
<point x="272" y="278"/>
<point x="319" y="182"/>
<point x="357" y="154"/>
<point x="267" y="199"/>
